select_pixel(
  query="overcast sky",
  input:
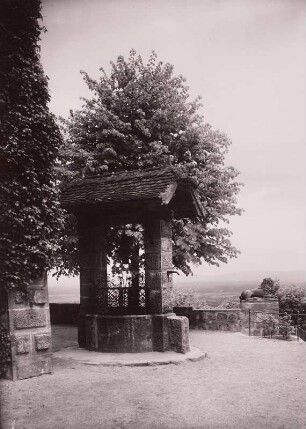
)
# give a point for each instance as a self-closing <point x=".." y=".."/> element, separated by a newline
<point x="246" y="59"/>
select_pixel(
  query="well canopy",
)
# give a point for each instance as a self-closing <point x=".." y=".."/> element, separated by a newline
<point x="138" y="192"/>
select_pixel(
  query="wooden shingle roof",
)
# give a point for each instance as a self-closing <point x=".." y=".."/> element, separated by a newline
<point x="162" y="185"/>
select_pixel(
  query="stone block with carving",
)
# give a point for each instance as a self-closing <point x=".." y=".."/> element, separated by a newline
<point x="20" y="297"/>
<point x="29" y="318"/>
<point x="38" y="296"/>
<point x="42" y="341"/>
<point x="22" y="344"/>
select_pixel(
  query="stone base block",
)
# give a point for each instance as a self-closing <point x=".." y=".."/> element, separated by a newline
<point x="134" y="333"/>
<point x="261" y="305"/>
<point x="32" y="366"/>
<point x="30" y="331"/>
<point x="82" y="329"/>
<point x="179" y="333"/>
<point x="119" y="334"/>
<point x="161" y="341"/>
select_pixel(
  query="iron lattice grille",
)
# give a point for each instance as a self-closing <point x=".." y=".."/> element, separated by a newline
<point x="117" y="297"/>
<point x="121" y="297"/>
<point x="142" y="297"/>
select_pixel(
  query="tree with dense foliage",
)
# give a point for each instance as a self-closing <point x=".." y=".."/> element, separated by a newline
<point x="140" y="117"/>
<point x="30" y="214"/>
<point x="269" y="286"/>
<point x="292" y="306"/>
<point x="292" y="298"/>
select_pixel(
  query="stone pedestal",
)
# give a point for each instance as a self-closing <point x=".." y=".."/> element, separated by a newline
<point x="254" y="311"/>
<point x="30" y="331"/>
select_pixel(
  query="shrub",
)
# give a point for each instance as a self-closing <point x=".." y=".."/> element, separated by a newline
<point x="291" y="298"/>
<point x="270" y="324"/>
<point x="189" y="299"/>
<point x="286" y="327"/>
<point x="231" y="302"/>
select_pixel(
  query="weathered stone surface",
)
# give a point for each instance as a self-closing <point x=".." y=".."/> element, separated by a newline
<point x="34" y="366"/>
<point x="224" y="327"/>
<point x="212" y="319"/>
<point x="22" y="344"/>
<point x="166" y="245"/>
<point x="19" y="297"/>
<point x="42" y="341"/>
<point x="179" y="333"/>
<point x="221" y="316"/>
<point x="165" y="229"/>
<point x="232" y="317"/>
<point x="268" y="305"/>
<point x="91" y="332"/>
<point x="166" y="260"/>
<point x="167" y="299"/>
<point x="153" y="261"/>
<point x="156" y="279"/>
<point x="29" y="318"/>
<point x="155" y="301"/>
<point x="82" y="329"/>
<point x="125" y="334"/>
<point x="160" y="333"/>
<point x="142" y="334"/>
<point x="38" y="296"/>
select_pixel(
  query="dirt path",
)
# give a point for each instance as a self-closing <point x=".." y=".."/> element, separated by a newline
<point x="244" y="383"/>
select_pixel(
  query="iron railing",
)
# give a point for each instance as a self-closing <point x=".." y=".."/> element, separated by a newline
<point x="278" y="324"/>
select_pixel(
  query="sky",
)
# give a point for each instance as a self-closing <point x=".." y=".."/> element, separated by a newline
<point x="246" y="59"/>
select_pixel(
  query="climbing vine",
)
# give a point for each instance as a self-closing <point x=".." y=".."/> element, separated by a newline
<point x="30" y="215"/>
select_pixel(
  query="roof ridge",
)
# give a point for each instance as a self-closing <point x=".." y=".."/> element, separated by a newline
<point x="177" y="171"/>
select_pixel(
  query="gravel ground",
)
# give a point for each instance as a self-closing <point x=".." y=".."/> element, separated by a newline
<point x="245" y="382"/>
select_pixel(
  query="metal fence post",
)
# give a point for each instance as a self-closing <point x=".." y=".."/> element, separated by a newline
<point x="249" y="322"/>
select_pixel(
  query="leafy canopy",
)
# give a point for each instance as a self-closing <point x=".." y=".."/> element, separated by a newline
<point x="139" y="117"/>
<point x="269" y="286"/>
<point x="30" y="215"/>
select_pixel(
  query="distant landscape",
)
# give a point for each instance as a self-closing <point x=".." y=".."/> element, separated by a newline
<point x="214" y="291"/>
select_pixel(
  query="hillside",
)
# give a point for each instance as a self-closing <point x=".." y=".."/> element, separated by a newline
<point x="68" y="289"/>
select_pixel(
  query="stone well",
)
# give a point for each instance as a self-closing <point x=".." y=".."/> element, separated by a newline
<point x="139" y="318"/>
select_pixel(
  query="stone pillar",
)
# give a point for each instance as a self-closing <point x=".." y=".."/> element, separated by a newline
<point x="30" y="331"/>
<point x="158" y="261"/>
<point x="93" y="270"/>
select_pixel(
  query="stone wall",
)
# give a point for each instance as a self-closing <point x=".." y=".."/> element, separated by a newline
<point x="234" y="320"/>
<point x="249" y="319"/>
<point x="30" y="331"/>
<point x="212" y="319"/>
